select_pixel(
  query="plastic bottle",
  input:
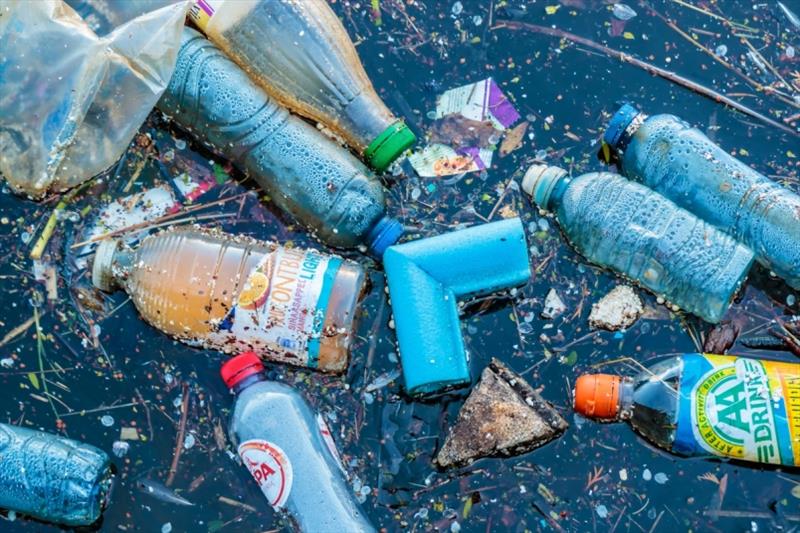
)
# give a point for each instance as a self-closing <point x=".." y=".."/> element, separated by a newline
<point x="705" y="405"/>
<point x="289" y="451"/>
<point x="624" y="226"/>
<point x="669" y="156"/>
<point x="236" y="293"/>
<point x="304" y="172"/>
<point x="300" y="53"/>
<point x="52" y="478"/>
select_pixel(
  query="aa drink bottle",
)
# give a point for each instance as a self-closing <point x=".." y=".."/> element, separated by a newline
<point x="305" y="173"/>
<point x="299" y="52"/>
<point x="289" y="451"/>
<point x="669" y="156"/>
<point x="233" y="293"/>
<point x="624" y="226"/>
<point x="53" y="478"/>
<point x="705" y="405"/>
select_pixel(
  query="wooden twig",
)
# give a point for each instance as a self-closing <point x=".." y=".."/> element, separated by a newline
<point x="648" y="67"/>
<point x="173" y="469"/>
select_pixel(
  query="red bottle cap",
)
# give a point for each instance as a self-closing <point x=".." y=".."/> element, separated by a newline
<point x="597" y="395"/>
<point x="237" y="368"/>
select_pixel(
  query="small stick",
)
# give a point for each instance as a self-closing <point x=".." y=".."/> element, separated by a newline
<point x="650" y="68"/>
<point x="146" y="412"/>
<point x="173" y="469"/>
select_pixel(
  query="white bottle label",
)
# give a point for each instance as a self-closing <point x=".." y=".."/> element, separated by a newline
<point x="280" y="311"/>
<point x="271" y="468"/>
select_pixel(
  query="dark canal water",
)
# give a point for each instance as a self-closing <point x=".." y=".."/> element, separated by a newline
<point x="99" y="357"/>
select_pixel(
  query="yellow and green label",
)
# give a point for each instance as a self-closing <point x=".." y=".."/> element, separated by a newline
<point x="737" y="407"/>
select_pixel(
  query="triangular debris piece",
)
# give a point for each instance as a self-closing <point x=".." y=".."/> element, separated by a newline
<point x="502" y="416"/>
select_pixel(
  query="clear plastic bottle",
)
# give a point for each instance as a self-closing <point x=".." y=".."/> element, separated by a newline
<point x="289" y="451"/>
<point x="624" y="226"/>
<point x="233" y="293"/>
<point x="300" y="53"/>
<point x="53" y="478"/>
<point x="705" y="405"/>
<point x="669" y="156"/>
<point x="304" y="172"/>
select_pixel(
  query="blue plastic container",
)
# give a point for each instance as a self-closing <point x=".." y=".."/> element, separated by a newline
<point x="624" y="226"/>
<point x="52" y="478"/>
<point x="669" y="156"/>
<point x="426" y="279"/>
<point x="305" y="173"/>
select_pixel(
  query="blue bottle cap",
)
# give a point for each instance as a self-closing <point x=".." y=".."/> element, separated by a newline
<point x="618" y="123"/>
<point x="384" y="234"/>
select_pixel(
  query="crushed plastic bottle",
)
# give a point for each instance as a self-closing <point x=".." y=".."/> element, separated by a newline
<point x="705" y="405"/>
<point x="304" y="172"/>
<point x="300" y="53"/>
<point x="624" y="226"/>
<point x="52" y="478"/>
<point x="289" y="451"/>
<point x="669" y="156"/>
<point x="236" y="293"/>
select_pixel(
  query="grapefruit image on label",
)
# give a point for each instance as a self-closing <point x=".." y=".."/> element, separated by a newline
<point x="271" y="468"/>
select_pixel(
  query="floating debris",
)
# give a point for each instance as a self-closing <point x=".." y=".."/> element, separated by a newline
<point x="502" y="416"/>
<point x="618" y="309"/>
<point x="553" y="305"/>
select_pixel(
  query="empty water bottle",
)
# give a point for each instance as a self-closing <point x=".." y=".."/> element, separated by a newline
<point x="304" y="172"/>
<point x="629" y="228"/>
<point x="289" y="451"/>
<point x="236" y="293"/>
<point x="300" y="53"/>
<point x="53" y="478"/>
<point x="669" y="156"/>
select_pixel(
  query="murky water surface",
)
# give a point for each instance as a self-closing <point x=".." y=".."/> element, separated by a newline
<point x="102" y="371"/>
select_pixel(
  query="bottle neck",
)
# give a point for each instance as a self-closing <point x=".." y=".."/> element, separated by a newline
<point x="248" y="381"/>
<point x="557" y="194"/>
<point x="625" y="411"/>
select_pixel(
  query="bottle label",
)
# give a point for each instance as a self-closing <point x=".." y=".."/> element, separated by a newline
<point x="280" y="311"/>
<point x="271" y="468"/>
<point x="202" y="10"/>
<point x="325" y="432"/>
<point x="741" y="408"/>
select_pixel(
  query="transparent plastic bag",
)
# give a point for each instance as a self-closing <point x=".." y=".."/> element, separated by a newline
<point x="70" y="101"/>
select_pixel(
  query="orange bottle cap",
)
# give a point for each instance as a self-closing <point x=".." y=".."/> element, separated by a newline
<point x="597" y="395"/>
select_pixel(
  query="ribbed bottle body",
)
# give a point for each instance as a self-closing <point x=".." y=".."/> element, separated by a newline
<point x="304" y="172"/>
<point x="52" y="478"/>
<point x="625" y="226"/>
<point x="680" y="162"/>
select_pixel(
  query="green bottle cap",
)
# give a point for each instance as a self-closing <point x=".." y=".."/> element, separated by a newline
<point x="388" y="146"/>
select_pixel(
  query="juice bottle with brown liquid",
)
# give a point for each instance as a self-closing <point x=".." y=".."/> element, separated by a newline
<point x="233" y="294"/>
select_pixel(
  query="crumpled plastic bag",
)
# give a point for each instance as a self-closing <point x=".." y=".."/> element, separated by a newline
<point x="70" y="101"/>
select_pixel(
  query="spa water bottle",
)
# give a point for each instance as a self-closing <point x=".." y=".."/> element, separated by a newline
<point x="53" y="478"/>
<point x="289" y="451"/>
<point x="299" y="52"/>
<point x="669" y="156"/>
<point x="624" y="226"/>
<point x="705" y="405"/>
<point x="304" y="172"/>
<point x="234" y="293"/>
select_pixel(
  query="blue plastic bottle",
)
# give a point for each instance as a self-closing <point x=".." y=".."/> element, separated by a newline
<point x="52" y="478"/>
<point x="624" y="226"/>
<point x="669" y="156"/>
<point x="305" y="173"/>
